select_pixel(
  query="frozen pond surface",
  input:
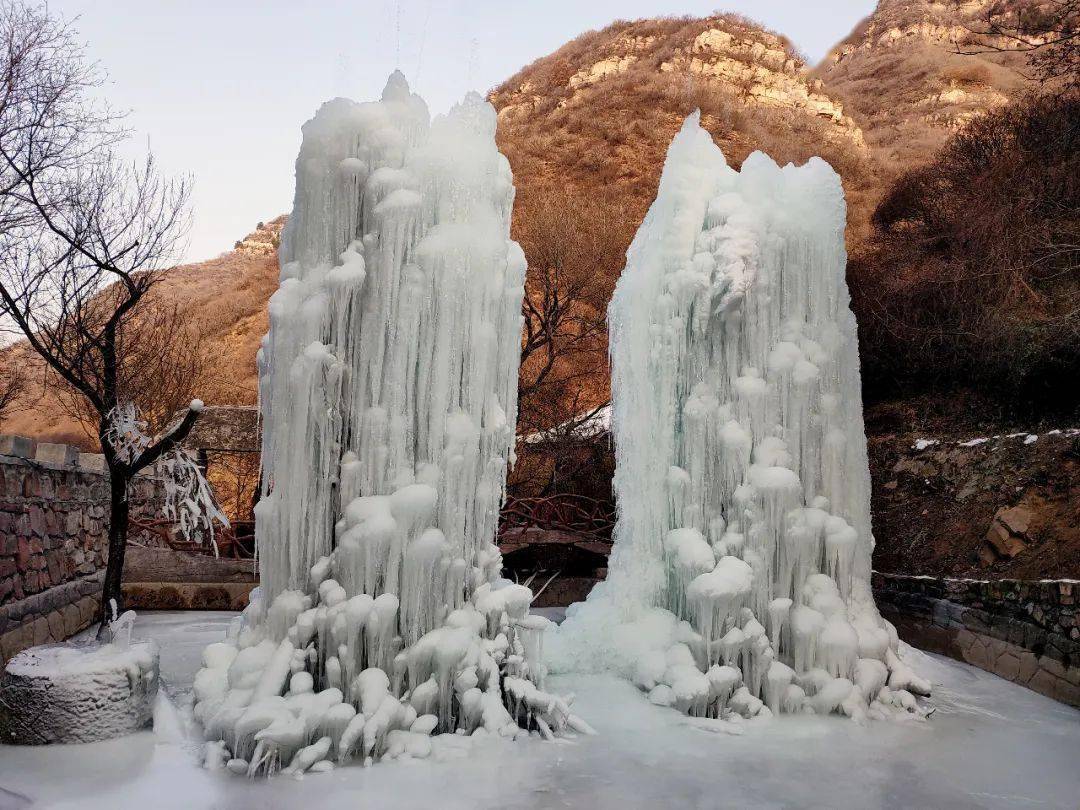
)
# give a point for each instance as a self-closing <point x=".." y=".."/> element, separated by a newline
<point x="989" y="744"/>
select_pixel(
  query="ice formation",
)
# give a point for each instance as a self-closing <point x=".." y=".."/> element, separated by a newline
<point x="739" y="581"/>
<point x="388" y="384"/>
<point x="78" y="692"/>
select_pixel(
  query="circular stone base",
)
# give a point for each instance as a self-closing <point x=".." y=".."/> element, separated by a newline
<point x="72" y="693"/>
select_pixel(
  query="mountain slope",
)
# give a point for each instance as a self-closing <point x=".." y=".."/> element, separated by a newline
<point x="597" y="115"/>
<point x="593" y="121"/>
<point x="224" y="298"/>
<point x="901" y="76"/>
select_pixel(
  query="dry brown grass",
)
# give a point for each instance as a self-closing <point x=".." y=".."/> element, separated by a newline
<point x="613" y="135"/>
<point x="895" y="91"/>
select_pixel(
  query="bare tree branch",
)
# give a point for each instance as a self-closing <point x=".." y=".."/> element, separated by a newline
<point x="83" y="237"/>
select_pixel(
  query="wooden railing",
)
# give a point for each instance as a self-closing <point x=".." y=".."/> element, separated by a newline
<point x="236" y="542"/>
<point x="589" y="518"/>
<point x="575" y="514"/>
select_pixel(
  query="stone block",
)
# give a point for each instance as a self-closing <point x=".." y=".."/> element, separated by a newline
<point x="1043" y="682"/>
<point x="41" y="631"/>
<point x="21" y="446"/>
<point x="977" y="621"/>
<point x="94" y="462"/>
<point x="12" y="643"/>
<point x="63" y="455"/>
<point x="88" y="610"/>
<point x="1005" y="543"/>
<point x="1007" y="665"/>
<point x="56" y="625"/>
<point x="73" y="622"/>
<point x="1028" y="666"/>
<point x="110" y="691"/>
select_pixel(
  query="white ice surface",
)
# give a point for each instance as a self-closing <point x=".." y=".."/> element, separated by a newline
<point x="990" y="744"/>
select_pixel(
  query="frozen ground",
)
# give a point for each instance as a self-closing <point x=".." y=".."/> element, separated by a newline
<point x="990" y="744"/>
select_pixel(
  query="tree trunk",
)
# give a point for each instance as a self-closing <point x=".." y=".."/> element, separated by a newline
<point x="118" y="529"/>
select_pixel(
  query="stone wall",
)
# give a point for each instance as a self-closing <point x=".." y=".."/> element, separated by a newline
<point x="53" y="539"/>
<point x="163" y="579"/>
<point x="1027" y="632"/>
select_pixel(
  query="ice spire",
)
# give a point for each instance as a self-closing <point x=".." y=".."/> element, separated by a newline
<point x="388" y="383"/>
<point x="740" y="574"/>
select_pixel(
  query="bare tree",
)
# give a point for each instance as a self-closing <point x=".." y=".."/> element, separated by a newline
<point x="1047" y="31"/>
<point x="574" y="247"/>
<point x="82" y="236"/>
<point x="163" y="362"/>
<point x="12" y="383"/>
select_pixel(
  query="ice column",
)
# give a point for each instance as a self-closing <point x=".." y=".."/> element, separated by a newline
<point x="388" y="383"/>
<point x="740" y="575"/>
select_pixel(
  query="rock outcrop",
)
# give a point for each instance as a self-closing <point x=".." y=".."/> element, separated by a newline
<point x="596" y="116"/>
<point x="1004" y="506"/>
<point x="904" y="78"/>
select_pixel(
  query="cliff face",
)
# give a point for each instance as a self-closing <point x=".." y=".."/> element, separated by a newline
<point x="902" y="77"/>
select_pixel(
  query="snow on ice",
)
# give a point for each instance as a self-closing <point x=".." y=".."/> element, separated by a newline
<point x="78" y="692"/>
<point x="388" y="383"/>
<point x="739" y="582"/>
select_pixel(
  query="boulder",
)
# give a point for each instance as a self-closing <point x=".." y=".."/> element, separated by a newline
<point x="77" y="692"/>
<point x="1016" y="519"/>
<point x="1005" y="537"/>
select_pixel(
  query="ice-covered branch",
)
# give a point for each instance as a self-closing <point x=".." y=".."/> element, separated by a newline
<point x="189" y="499"/>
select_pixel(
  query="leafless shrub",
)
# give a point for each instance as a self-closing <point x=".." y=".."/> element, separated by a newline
<point x="12" y="383"/>
<point x="973" y="276"/>
<point x="1047" y="31"/>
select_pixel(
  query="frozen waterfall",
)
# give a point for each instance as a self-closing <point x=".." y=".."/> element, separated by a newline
<point x="739" y="583"/>
<point x="388" y="384"/>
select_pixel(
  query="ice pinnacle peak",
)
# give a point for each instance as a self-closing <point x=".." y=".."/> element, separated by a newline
<point x="388" y="385"/>
<point x="397" y="87"/>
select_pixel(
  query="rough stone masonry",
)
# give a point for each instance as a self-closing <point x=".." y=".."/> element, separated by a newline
<point x="53" y="539"/>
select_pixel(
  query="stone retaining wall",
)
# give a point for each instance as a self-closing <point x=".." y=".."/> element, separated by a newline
<point x="54" y="539"/>
<point x="1025" y="632"/>
<point x="163" y="579"/>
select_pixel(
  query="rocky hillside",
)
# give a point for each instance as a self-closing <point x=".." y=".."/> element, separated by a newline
<point x="594" y="119"/>
<point x="224" y="297"/>
<point x="596" y="116"/>
<point x="985" y="506"/>
<point x="902" y="77"/>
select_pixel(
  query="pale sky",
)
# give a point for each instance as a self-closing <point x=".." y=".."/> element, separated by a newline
<point x="220" y="89"/>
